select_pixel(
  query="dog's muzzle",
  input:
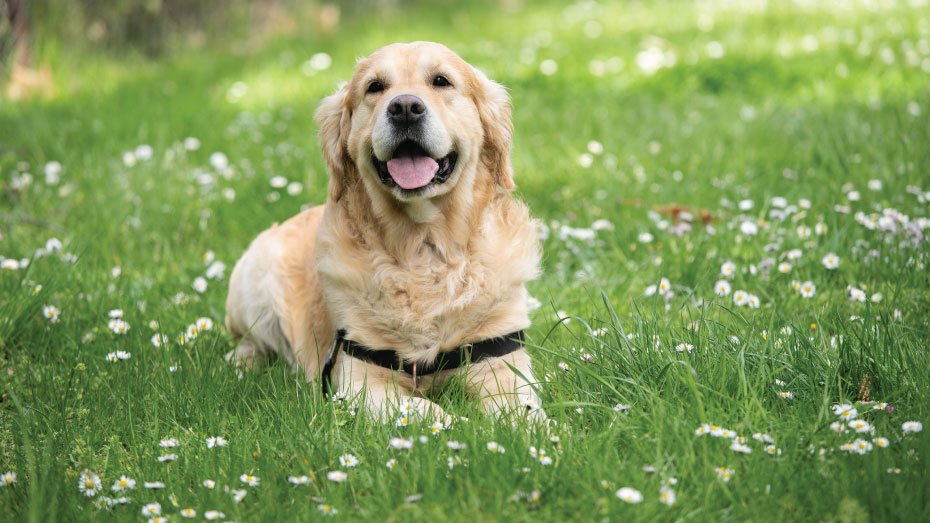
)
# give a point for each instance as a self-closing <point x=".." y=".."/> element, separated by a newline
<point x="413" y="163"/>
<point x="411" y="168"/>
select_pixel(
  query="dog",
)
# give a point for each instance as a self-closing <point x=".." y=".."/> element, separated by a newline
<point x="420" y="251"/>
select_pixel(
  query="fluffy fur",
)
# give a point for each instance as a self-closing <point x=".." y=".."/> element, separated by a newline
<point x="418" y="273"/>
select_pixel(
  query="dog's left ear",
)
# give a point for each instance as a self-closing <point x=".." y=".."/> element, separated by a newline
<point x="334" y="119"/>
<point x="493" y="104"/>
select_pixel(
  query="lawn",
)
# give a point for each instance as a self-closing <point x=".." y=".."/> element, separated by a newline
<point x="736" y="199"/>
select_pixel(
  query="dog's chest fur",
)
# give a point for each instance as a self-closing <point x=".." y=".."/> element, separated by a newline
<point x="434" y="294"/>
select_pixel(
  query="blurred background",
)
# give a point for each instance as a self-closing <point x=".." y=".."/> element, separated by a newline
<point x="33" y="29"/>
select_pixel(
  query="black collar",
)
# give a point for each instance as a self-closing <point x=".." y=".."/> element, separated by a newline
<point x="390" y="359"/>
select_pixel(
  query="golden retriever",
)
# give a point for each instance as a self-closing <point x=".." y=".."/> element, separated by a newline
<point x="420" y="247"/>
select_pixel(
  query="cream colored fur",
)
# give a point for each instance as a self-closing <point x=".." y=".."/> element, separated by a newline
<point x="420" y="275"/>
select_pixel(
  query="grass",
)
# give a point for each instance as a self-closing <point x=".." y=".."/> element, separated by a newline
<point x="809" y="101"/>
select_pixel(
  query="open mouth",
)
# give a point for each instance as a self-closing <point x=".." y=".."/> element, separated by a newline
<point x="412" y="169"/>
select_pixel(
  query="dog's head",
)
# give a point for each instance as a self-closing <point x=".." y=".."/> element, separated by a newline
<point x="414" y="122"/>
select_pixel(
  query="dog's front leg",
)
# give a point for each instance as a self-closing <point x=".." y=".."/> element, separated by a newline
<point x="386" y="395"/>
<point x="505" y="385"/>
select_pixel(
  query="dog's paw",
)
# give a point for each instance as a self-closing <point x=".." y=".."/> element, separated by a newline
<point x="245" y="357"/>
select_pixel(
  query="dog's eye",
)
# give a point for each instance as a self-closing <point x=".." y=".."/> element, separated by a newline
<point x="375" y="87"/>
<point x="441" y="81"/>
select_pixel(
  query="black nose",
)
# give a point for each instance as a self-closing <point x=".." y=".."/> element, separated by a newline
<point x="406" y="109"/>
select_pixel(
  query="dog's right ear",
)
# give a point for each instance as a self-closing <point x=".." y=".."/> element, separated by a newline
<point x="493" y="105"/>
<point x="334" y="118"/>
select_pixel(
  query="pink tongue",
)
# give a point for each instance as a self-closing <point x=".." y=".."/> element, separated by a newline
<point x="412" y="172"/>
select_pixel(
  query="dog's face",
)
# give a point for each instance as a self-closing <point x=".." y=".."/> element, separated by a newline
<point x="415" y="122"/>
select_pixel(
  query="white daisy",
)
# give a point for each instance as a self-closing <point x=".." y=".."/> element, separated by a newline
<point x="667" y="496"/>
<point x="742" y="448"/>
<point x="89" y="483"/>
<point x="118" y="326"/>
<point x="495" y="447"/>
<point x="216" y="441"/>
<point x="51" y="313"/>
<point x="585" y="160"/>
<point x="749" y="228"/>
<point x="7" y="479"/>
<point x="250" y="480"/>
<point x="298" y="480"/>
<point x="860" y="426"/>
<point x="861" y="446"/>
<point x="401" y="443"/>
<point x="724" y="474"/>
<point x="728" y="269"/>
<point x="123" y="483"/>
<point x="831" y="261"/>
<point x="216" y="270"/>
<point x="337" y="476"/>
<point x="845" y="411"/>
<point x="741" y="298"/>
<point x="219" y="161"/>
<point x="807" y="289"/>
<point x="856" y="294"/>
<point x="200" y="284"/>
<point x="630" y="495"/>
<point x="52" y="172"/>
<point x="152" y="509"/>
